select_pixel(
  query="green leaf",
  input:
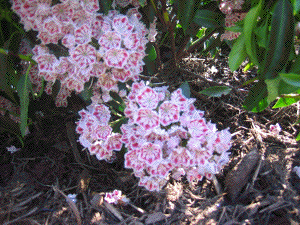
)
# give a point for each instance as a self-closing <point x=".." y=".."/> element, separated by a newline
<point x="152" y="54"/>
<point x="7" y="73"/>
<point x="216" y="91"/>
<point x="256" y="100"/>
<point x="211" y="44"/>
<point x="208" y="19"/>
<point x="201" y="33"/>
<point x="105" y="6"/>
<point x="285" y="88"/>
<point x="87" y="93"/>
<point x="237" y="54"/>
<point x="115" y="125"/>
<point x="248" y="67"/>
<point x="250" y="22"/>
<point x="296" y="6"/>
<point x="235" y="29"/>
<point x="116" y="97"/>
<point x="298" y="137"/>
<point x="185" y="87"/>
<point x="295" y="68"/>
<point x="117" y="103"/>
<point x="186" y="12"/>
<point x="23" y="92"/>
<point x="286" y="101"/>
<point x="142" y="2"/>
<point x="262" y="34"/>
<point x="291" y="78"/>
<point x="280" y="39"/>
<point x="272" y="87"/>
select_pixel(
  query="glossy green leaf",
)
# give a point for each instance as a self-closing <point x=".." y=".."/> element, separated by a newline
<point x="280" y="39"/>
<point x="250" y="23"/>
<point x="116" y="125"/>
<point x="291" y="78"/>
<point x="248" y="67"/>
<point x="237" y="54"/>
<point x="208" y="19"/>
<point x="23" y="92"/>
<point x="298" y="137"/>
<point x="118" y="101"/>
<point x="152" y="54"/>
<point x="116" y="96"/>
<point x="286" y="101"/>
<point x="256" y="101"/>
<point x="117" y="106"/>
<point x="186" y="12"/>
<point x="87" y="93"/>
<point x="285" y="88"/>
<point x="216" y="91"/>
<point x="185" y="87"/>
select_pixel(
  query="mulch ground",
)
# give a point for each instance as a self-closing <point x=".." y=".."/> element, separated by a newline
<point x="258" y="186"/>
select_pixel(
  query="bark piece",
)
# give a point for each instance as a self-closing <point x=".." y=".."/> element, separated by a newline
<point x="239" y="176"/>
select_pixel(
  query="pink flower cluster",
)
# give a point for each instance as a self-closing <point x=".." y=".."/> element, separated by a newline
<point x="166" y="133"/>
<point x="96" y="134"/>
<point x="227" y="7"/>
<point x="108" y="48"/>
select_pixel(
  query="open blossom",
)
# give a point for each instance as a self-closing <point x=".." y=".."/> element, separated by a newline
<point x="160" y="142"/>
<point x="84" y="55"/>
<point x="116" y="58"/>
<point x="110" y="40"/>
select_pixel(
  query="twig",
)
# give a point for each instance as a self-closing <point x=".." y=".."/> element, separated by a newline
<point x="113" y="210"/>
<point x="217" y="185"/>
<point x="21" y="217"/>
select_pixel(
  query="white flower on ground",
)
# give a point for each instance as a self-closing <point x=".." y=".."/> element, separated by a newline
<point x="12" y="149"/>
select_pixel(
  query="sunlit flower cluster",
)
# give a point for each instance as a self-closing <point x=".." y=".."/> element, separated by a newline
<point x="108" y="48"/>
<point x="166" y="133"/>
<point x="227" y="7"/>
<point x="96" y="134"/>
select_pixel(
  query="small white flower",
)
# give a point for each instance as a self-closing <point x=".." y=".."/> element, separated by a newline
<point x="297" y="170"/>
<point x="72" y="197"/>
<point x="275" y="129"/>
<point x="12" y="149"/>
